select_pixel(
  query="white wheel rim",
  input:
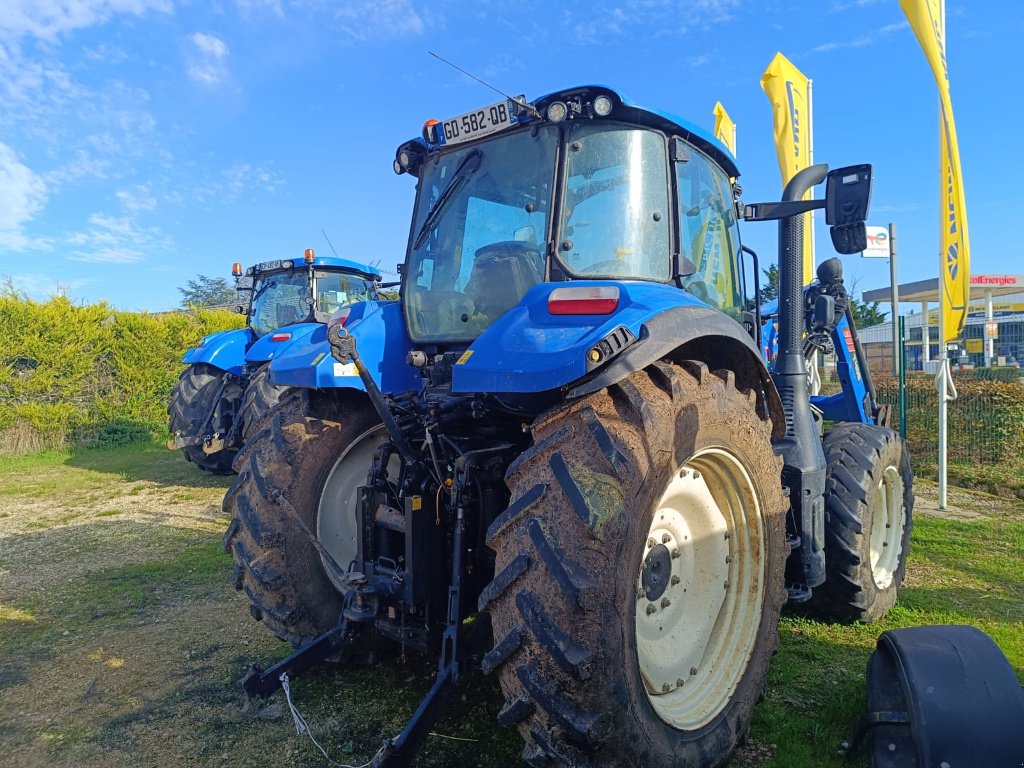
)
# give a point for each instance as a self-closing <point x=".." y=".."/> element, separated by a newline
<point x="337" y="514"/>
<point x="888" y="519"/>
<point x="695" y="639"/>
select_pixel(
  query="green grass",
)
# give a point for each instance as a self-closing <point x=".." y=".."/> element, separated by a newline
<point x="960" y="571"/>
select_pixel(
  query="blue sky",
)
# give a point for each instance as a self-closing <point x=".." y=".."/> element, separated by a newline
<point x="145" y="141"/>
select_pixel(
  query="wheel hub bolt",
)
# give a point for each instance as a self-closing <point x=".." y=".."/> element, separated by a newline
<point x="651" y="608"/>
<point x="651" y="543"/>
<point x="665" y="688"/>
<point x="675" y="580"/>
<point x="693" y="671"/>
<point x="665" y="602"/>
<point x="696" y="475"/>
<point x="728" y="558"/>
<point x="726" y="584"/>
<point x="675" y="554"/>
<point x="728" y="534"/>
<point x="680" y="682"/>
<point x="666" y="538"/>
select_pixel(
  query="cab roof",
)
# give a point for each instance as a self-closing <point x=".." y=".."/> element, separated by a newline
<point x="322" y="262"/>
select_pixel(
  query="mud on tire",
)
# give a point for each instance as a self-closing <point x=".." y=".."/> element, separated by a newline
<point x="869" y="485"/>
<point x="192" y="400"/>
<point x="281" y="474"/>
<point x="564" y="602"/>
<point x="259" y="397"/>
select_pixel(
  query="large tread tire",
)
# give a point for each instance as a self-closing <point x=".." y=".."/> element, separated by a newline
<point x="281" y="473"/>
<point x="193" y="398"/>
<point x="857" y="456"/>
<point x="563" y="600"/>
<point x="260" y="396"/>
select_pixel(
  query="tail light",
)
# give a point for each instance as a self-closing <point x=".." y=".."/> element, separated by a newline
<point x="584" y="300"/>
<point x="340" y="317"/>
<point x="280" y="337"/>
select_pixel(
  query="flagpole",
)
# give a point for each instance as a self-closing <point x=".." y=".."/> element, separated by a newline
<point x="943" y="379"/>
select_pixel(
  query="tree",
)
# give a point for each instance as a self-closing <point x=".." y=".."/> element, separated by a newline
<point x="866" y="315"/>
<point x="769" y="289"/>
<point x="207" y="291"/>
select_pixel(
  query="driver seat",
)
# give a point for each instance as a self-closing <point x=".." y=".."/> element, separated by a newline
<point x="502" y="274"/>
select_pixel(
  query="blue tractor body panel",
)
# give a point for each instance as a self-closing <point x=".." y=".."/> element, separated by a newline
<point x="530" y="350"/>
<point x="847" y="405"/>
<point x="382" y="341"/>
<point x="272" y="344"/>
<point x="225" y="350"/>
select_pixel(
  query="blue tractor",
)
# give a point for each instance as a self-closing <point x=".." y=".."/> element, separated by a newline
<point x="225" y="387"/>
<point x="561" y="457"/>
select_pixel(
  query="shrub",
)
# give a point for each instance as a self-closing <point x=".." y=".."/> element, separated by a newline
<point x="90" y="372"/>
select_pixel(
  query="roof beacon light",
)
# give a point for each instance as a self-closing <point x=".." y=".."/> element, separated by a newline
<point x="584" y="300"/>
<point x="236" y="269"/>
<point x="602" y="106"/>
<point x="557" y="111"/>
<point x="309" y="256"/>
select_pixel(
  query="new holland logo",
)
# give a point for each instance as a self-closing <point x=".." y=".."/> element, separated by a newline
<point x="792" y="95"/>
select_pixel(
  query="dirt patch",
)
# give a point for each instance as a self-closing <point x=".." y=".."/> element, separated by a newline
<point x="962" y="504"/>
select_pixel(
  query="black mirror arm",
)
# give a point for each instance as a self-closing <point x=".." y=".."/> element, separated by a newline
<point x="781" y="210"/>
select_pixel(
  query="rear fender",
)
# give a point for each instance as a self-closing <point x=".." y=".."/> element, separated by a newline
<point x="225" y="350"/>
<point x="381" y="341"/>
<point x="530" y="350"/>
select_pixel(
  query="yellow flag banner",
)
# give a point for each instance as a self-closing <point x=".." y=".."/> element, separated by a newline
<point x="725" y="128"/>
<point x="788" y="90"/>
<point x="925" y="17"/>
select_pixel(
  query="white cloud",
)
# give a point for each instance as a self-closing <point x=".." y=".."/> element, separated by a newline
<point x="595" y="23"/>
<point x="208" y="59"/>
<point x="49" y="19"/>
<point x="42" y="286"/>
<point x="115" y="240"/>
<point x="363" y="20"/>
<point x="137" y="198"/>
<point x="249" y="7"/>
<point x="22" y="196"/>
<point x="864" y="40"/>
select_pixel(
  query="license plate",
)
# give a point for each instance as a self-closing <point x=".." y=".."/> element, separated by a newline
<point x="275" y="264"/>
<point x="476" y="124"/>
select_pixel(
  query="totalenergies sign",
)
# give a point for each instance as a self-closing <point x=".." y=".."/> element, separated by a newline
<point x="997" y="281"/>
<point x="878" y="243"/>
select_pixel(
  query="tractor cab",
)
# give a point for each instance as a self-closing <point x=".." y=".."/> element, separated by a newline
<point x="579" y="185"/>
<point x="286" y="292"/>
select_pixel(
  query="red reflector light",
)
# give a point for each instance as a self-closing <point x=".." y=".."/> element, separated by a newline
<point x="280" y="337"/>
<point x="584" y="300"/>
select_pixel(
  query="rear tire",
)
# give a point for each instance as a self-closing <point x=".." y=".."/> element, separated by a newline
<point x="282" y="473"/>
<point x="869" y="500"/>
<point x="260" y="396"/>
<point x="194" y="397"/>
<point x="599" y="626"/>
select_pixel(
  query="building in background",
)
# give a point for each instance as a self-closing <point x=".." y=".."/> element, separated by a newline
<point x="993" y="334"/>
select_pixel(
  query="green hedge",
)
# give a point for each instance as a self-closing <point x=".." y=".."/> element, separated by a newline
<point x="90" y="373"/>
<point x="986" y="421"/>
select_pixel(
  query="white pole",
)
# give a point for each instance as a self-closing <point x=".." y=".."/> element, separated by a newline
<point x="990" y="343"/>
<point x="944" y="378"/>
<point x="926" y="341"/>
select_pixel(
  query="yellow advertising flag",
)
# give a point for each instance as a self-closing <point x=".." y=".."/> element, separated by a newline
<point x="925" y="17"/>
<point x="789" y="92"/>
<point x="725" y="128"/>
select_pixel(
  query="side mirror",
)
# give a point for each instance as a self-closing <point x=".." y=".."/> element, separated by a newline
<point x="847" y="198"/>
<point x="824" y="312"/>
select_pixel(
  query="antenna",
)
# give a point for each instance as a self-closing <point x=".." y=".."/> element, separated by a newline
<point x="520" y="100"/>
<point x="329" y="242"/>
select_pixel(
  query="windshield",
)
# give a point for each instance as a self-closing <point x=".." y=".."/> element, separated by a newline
<point x="279" y="298"/>
<point x="334" y="290"/>
<point x="479" y="233"/>
<point x="616" y="208"/>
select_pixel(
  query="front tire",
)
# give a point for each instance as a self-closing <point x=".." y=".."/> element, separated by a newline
<point x="198" y="394"/>
<point x="639" y="574"/>
<point x="298" y="477"/>
<point x="869" y="500"/>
